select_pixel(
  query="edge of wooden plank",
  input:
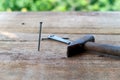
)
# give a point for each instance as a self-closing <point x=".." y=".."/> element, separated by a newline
<point x="65" y="30"/>
<point x="58" y="22"/>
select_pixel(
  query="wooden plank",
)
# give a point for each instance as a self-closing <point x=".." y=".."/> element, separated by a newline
<point x="69" y="22"/>
<point x="60" y="69"/>
<point x="27" y="43"/>
<point x="22" y="61"/>
<point x="12" y="36"/>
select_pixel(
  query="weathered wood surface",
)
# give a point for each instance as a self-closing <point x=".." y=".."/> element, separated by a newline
<point x="74" y="22"/>
<point x="20" y="60"/>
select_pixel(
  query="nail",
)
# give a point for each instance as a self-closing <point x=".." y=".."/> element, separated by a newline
<point x="39" y="41"/>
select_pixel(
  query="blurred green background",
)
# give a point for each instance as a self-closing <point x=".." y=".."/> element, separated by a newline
<point x="59" y="5"/>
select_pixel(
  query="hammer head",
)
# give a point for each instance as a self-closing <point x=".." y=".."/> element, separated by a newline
<point x="77" y="47"/>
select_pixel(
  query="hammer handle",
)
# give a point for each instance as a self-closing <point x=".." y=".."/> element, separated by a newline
<point x="103" y="48"/>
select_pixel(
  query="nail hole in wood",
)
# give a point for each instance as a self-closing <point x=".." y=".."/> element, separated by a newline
<point x="23" y="23"/>
<point x="101" y="56"/>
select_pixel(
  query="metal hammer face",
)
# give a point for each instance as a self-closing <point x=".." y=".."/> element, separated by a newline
<point x="77" y="47"/>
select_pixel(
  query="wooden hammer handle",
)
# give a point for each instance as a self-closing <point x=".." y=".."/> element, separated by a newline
<point x="103" y="48"/>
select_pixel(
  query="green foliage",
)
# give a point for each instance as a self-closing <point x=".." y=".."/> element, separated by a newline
<point x="59" y="5"/>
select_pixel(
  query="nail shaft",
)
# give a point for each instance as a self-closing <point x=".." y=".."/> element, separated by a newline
<point x="39" y="41"/>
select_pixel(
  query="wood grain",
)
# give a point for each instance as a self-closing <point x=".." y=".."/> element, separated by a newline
<point x="20" y="60"/>
<point x="54" y="22"/>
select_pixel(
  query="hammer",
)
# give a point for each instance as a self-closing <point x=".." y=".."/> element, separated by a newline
<point x="87" y="43"/>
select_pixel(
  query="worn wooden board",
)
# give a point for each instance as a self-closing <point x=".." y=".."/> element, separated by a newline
<point x="69" y="22"/>
<point x="20" y="60"/>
